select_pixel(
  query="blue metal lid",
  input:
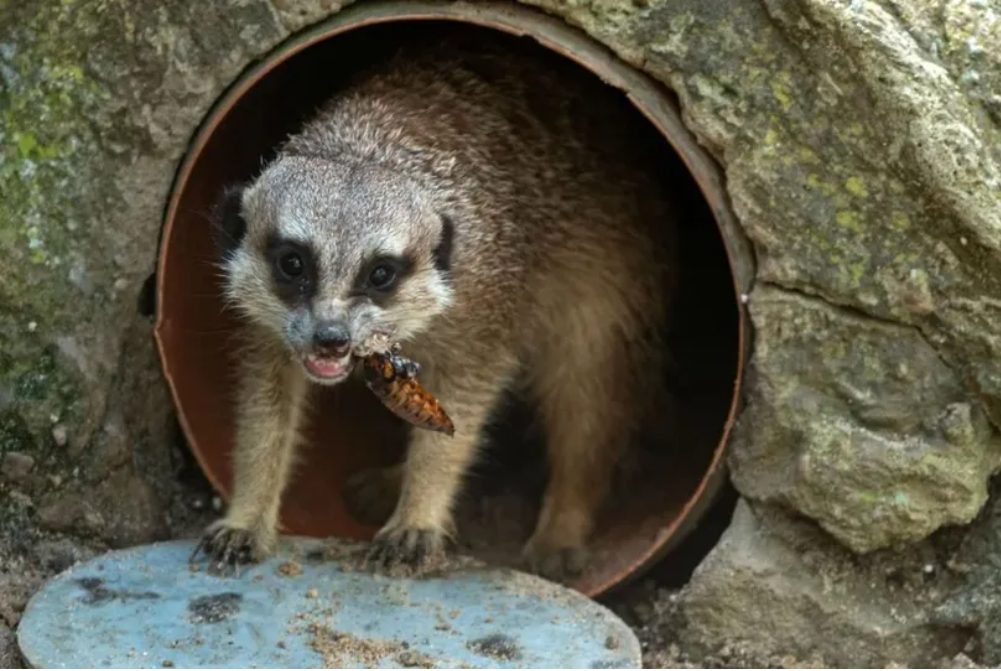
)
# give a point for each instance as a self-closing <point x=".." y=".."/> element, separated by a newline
<point x="307" y="607"/>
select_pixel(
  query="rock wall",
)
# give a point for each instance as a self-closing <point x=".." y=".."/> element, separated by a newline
<point x="861" y="141"/>
<point x="97" y="103"/>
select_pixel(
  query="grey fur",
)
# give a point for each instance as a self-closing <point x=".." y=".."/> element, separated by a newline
<point x="560" y="274"/>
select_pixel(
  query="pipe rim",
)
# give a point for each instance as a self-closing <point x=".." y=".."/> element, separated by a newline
<point x="648" y="96"/>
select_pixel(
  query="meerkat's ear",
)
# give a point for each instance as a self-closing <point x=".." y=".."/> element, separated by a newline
<point x="228" y="224"/>
<point x="443" y="252"/>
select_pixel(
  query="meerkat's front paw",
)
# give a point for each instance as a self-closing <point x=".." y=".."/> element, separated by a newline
<point x="371" y="495"/>
<point x="556" y="563"/>
<point x="228" y="547"/>
<point x="407" y="551"/>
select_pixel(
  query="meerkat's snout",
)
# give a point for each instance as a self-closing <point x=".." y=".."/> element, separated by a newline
<point x="329" y="362"/>
<point x="331" y="339"/>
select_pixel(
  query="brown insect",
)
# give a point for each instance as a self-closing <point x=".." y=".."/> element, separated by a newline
<point x="393" y="378"/>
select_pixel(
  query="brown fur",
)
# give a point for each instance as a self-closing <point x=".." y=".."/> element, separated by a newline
<point x="560" y="278"/>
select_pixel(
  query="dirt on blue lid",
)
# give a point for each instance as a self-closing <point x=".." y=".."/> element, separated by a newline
<point x="312" y="606"/>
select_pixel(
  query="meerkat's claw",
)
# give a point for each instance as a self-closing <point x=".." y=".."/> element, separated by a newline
<point x="227" y="549"/>
<point x="232" y="556"/>
<point x="406" y="552"/>
<point x="202" y="544"/>
<point x="559" y="564"/>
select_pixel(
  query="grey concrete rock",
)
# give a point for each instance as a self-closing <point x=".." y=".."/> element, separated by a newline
<point x="121" y="511"/>
<point x="15" y="465"/>
<point x="59" y="435"/>
<point x="98" y="105"/>
<point x="10" y="655"/>
<point x="779" y="586"/>
<point x="858" y="424"/>
<point x="58" y="555"/>
<point x="864" y="175"/>
<point x="298" y="14"/>
<point x="862" y="149"/>
<point x="976" y="603"/>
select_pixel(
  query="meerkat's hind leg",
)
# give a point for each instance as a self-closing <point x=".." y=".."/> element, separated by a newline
<point x="371" y="495"/>
<point x="587" y="392"/>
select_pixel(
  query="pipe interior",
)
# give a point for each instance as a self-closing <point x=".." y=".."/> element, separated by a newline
<point x="352" y="430"/>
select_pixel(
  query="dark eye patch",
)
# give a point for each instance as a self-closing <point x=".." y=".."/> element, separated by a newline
<point x="228" y="224"/>
<point x="293" y="269"/>
<point x="443" y="252"/>
<point x="380" y="276"/>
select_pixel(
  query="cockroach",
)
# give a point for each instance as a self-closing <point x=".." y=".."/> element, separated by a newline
<point x="393" y="379"/>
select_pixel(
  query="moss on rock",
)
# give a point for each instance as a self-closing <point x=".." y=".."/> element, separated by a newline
<point x="862" y="155"/>
<point x="864" y="165"/>
<point x="97" y="103"/>
<point x="860" y="425"/>
<point x="862" y="150"/>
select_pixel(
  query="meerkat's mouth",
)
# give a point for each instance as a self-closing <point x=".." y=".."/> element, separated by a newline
<point x="327" y="369"/>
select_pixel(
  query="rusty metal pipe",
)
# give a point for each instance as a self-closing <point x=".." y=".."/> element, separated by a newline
<point x="193" y="332"/>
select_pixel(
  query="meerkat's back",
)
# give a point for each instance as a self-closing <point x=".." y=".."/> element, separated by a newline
<point x="566" y="264"/>
<point x="499" y="212"/>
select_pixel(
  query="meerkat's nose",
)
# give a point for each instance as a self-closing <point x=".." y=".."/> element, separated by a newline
<point x="332" y="338"/>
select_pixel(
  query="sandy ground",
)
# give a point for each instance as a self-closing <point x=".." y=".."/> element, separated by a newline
<point x="650" y="605"/>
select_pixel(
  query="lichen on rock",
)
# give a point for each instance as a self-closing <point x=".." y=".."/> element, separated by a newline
<point x="864" y="166"/>
<point x="297" y="14"/>
<point x="862" y="145"/>
<point x="97" y="104"/>
<point x="858" y="424"/>
<point x="780" y="586"/>
<point x="862" y="155"/>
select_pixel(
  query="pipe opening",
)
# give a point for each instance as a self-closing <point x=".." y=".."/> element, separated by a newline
<point x="669" y="487"/>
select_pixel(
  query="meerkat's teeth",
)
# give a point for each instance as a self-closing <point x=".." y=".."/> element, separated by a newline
<point x="328" y="368"/>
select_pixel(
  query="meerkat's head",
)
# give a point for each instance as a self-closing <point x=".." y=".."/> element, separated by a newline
<point x="328" y="255"/>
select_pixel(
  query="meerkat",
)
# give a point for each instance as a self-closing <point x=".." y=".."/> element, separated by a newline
<point x="492" y="211"/>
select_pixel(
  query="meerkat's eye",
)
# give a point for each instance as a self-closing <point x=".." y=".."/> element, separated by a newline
<point x="293" y="269"/>
<point x="291" y="265"/>
<point x="382" y="277"/>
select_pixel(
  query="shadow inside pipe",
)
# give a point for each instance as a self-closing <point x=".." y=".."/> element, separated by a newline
<point x="351" y="430"/>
